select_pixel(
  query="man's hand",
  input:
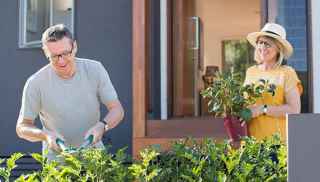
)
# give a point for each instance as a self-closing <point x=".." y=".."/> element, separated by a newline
<point x="97" y="131"/>
<point x="26" y="129"/>
<point x="51" y="139"/>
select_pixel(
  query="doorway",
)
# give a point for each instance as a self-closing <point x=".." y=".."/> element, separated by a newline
<point x="218" y="21"/>
<point x="203" y="37"/>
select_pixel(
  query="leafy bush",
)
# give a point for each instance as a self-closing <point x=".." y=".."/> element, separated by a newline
<point x="228" y="96"/>
<point x="5" y="172"/>
<point x="187" y="161"/>
<point x="87" y="165"/>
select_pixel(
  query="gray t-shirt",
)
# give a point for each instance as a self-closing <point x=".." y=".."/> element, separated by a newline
<point x="69" y="107"/>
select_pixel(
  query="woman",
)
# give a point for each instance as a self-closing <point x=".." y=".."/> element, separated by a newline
<point x="271" y="48"/>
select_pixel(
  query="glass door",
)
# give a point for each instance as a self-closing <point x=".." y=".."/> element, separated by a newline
<point x="196" y="35"/>
<point x="202" y="39"/>
<point x="185" y="59"/>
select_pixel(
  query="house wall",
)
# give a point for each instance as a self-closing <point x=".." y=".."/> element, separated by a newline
<point x="315" y="16"/>
<point x="303" y="147"/>
<point x="225" y="20"/>
<point x="103" y="32"/>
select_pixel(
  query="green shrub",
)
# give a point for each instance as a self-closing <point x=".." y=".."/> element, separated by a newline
<point x="228" y="96"/>
<point x="187" y="161"/>
<point x="87" y="165"/>
<point x="5" y="172"/>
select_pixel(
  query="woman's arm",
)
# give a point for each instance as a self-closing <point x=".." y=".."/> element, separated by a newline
<point x="292" y="106"/>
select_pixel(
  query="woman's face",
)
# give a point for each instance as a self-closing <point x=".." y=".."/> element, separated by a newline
<point x="266" y="50"/>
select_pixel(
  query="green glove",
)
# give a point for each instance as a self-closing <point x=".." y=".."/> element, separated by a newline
<point x="246" y="114"/>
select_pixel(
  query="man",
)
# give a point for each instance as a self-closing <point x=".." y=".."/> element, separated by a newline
<point x="66" y="94"/>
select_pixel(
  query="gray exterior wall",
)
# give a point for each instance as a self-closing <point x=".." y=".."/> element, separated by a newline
<point x="303" y="147"/>
<point x="103" y="31"/>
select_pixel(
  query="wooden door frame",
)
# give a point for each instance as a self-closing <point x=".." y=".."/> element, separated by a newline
<point x="140" y="53"/>
<point x="150" y="132"/>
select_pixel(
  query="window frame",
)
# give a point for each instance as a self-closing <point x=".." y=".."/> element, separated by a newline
<point x="22" y="42"/>
<point x="270" y="11"/>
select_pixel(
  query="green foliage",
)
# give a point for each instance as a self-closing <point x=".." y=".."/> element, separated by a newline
<point x="144" y="170"/>
<point x="86" y="165"/>
<point x="229" y="96"/>
<point x="209" y="161"/>
<point x="102" y="166"/>
<point x="5" y="172"/>
<point x="187" y="161"/>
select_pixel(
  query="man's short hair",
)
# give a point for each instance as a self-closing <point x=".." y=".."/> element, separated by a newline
<point x="56" y="33"/>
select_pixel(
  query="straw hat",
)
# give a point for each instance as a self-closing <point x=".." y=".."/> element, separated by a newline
<point x="275" y="31"/>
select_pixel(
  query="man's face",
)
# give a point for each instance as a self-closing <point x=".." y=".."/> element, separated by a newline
<point x="61" y="55"/>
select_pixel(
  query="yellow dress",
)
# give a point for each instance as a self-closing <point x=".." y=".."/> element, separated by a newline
<point x="285" y="79"/>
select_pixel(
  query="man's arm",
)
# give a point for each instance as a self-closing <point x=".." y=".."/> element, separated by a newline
<point x="26" y="129"/>
<point x="114" y="116"/>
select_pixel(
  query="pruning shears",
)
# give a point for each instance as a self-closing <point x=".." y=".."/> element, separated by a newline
<point x="71" y="149"/>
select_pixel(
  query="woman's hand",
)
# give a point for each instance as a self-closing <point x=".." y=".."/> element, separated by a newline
<point x="256" y="110"/>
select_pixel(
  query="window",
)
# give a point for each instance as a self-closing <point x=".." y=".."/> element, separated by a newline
<point x="37" y="15"/>
<point x="237" y="55"/>
<point x="293" y="16"/>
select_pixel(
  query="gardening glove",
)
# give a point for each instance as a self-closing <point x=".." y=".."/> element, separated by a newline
<point x="245" y="115"/>
<point x="256" y="110"/>
<point x="51" y="138"/>
<point x="97" y="131"/>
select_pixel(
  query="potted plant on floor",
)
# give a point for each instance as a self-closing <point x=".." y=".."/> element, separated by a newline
<point x="229" y="98"/>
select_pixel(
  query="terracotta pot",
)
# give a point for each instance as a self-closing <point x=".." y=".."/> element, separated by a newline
<point x="234" y="128"/>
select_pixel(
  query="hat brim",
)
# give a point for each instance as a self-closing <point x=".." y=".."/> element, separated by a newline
<point x="287" y="47"/>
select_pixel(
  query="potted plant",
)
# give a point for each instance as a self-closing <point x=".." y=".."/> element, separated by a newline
<point x="229" y="98"/>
